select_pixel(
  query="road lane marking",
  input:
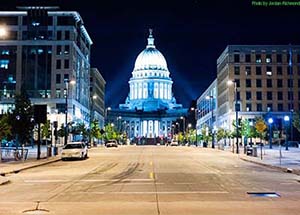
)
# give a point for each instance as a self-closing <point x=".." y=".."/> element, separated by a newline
<point x="183" y="183"/>
<point x="151" y="175"/>
<point x="85" y="180"/>
<point x="160" y="192"/>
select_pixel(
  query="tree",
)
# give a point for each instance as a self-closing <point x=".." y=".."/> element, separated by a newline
<point x="5" y="127"/>
<point x="22" y="118"/>
<point x="296" y="121"/>
<point x="46" y="130"/>
<point x="95" y="130"/>
<point x="80" y="129"/>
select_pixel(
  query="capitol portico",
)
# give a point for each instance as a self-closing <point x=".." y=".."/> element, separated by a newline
<point x="150" y="106"/>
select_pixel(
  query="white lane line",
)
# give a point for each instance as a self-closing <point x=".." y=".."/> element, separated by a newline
<point x="162" y="192"/>
<point x="85" y="180"/>
<point x="183" y="183"/>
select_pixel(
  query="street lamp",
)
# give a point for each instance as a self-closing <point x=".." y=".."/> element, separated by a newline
<point x="210" y="98"/>
<point x="67" y="82"/>
<point x="196" y="118"/>
<point x="230" y="82"/>
<point x="183" y="121"/>
<point x="270" y="122"/>
<point x="94" y="97"/>
<point x="286" y="120"/>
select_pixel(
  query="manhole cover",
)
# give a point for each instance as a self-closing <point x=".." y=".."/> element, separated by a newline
<point x="264" y="194"/>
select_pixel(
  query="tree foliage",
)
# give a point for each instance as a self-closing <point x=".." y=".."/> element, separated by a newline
<point x="22" y="118"/>
<point x="296" y="121"/>
<point x="5" y="127"/>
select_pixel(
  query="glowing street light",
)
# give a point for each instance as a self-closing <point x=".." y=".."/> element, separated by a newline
<point x="3" y="32"/>
<point x="210" y="98"/>
<point x="270" y="122"/>
<point x="286" y="120"/>
<point x="67" y="82"/>
<point x="230" y="82"/>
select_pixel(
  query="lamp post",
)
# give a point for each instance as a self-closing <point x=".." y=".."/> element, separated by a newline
<point x="195" y="109"/>
<point x="270" y="122"/>
<point x="94" y="97"/>
<point x="67" y="82"/>
<point x="106" y="115"/>
<point x="210" y="98"/>
<point x="286" y="121"/>
<point x="230" y="82"/>
<point x="183" y="121"/>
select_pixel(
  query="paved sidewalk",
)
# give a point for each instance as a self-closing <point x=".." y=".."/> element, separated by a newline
<point x="287" y="161"/>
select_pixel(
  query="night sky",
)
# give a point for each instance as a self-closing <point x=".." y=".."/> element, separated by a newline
<point x="191" y="34"/>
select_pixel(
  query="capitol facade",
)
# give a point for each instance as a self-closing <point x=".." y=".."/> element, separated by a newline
<point x="150" y="107"/>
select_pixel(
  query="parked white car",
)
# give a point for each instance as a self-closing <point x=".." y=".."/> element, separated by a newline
<point x="74" y="150"/>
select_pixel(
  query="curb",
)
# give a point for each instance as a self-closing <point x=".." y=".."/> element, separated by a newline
<point x="29" y="167"/>
<point x="283" y="169"/>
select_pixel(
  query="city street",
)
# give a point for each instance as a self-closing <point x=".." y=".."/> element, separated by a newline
<point x="151" y="180"/>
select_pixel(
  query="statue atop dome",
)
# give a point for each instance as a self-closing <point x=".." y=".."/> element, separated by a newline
<point x="150" y="39"/>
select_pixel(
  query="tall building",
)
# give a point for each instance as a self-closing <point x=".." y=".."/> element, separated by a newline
<point x="266" y="81"/>
<point x="97" y="92"/>
<point x="46" y="52"/>
<point x="207" y="105"/>
<point x="150" y="106"/>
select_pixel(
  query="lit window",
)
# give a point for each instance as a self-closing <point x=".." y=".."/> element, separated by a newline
<point x="4" y="64"/>
<point x="5" y="52"/>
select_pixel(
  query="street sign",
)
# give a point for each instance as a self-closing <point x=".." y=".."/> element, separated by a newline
<point x="260" y="126"/>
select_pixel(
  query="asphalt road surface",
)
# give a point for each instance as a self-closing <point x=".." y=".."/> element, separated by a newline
<point x="151" y="180"/>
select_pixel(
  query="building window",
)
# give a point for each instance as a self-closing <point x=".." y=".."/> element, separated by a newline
<point x="248" y="58"/>
<point x="259" y="107"/>
<point x="248" y="70"/>
<point x="58" y="36"/>
<point x="269" y="83"/>
<point x="290" y="82"/>
<point x="269" y="107"/>
<point x="238" y="96"/>
<point x="269" y="70"/>
<point x="258" y="96"/>
<point x="268" y="58"/>
<point x="279" y="58"/>
<point x="58" y="78"/>
<point x="58" y="64"/>
<point x="258" y="70"/>
<point x="248" y="95"/>
<point x="258" y="83"/>
<point x="58" y="50"/>
<point x="67" y="50"/>
<point x="290" y="95"/>
<point x="236" y="58"/>
<point x="57" y="93"/>
<point x="67" y="35"/>
<point x="4" y="64"/>
<point x="248" y="82"/>
<point x="67" y="64"/>
<point x="269" y="95"/>
<point x="280" y="107"/>
<point x="237" y="82"/>
<point x="289" y="70"/>
<point x="291" y="106"/>
<point x="258" y="58"/>
<point x="279" y="70"/>
<point x="237" y="70"/>
<point x="248" y="107"/>
<point x="279" y="96"/>
<point x="66" y="77"/>
<point x="279" y="83"/>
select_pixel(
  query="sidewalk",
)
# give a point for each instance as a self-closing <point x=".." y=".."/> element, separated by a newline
<point x="9" y="166"/>
<point x="287" y="161"/>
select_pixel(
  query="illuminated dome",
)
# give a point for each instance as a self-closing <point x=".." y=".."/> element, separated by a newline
<point x="150" y="58"/>
<point x="150" y="84"/>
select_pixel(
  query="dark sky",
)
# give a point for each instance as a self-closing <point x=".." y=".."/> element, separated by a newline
<point x="191" y="34"/>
